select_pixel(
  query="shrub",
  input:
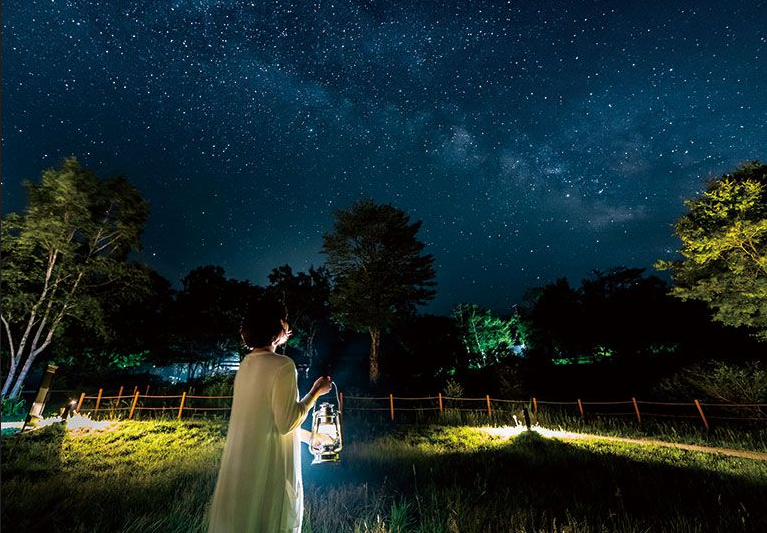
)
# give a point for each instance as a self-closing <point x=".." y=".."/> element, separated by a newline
<point x="719" y="381"/>
<point x="453" y="389"/>
<point x="218" y="385"/>
<point x="13" y="408"/>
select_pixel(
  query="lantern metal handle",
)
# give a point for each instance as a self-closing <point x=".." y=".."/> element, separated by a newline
<point x="338" y="401"/>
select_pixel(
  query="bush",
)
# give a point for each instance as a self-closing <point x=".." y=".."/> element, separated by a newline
<point x="218" y="385"/>
<point x="453" y="389"/>
<point x="719" y="381"/>
<point x="13" y="408"/>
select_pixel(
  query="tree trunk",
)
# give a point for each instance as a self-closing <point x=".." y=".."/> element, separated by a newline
<point x="23" y="375"/>
<point x="35" y="350"/>
<point x="9" y="378"/>
<point x="375" y="341"/>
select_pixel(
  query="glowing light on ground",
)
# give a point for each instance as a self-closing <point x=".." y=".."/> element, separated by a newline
<point x="85" y="422"/>
<point x="514" y="431"/>
<point x="75" y="422"/>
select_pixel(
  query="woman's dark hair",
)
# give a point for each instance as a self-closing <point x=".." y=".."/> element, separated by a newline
<point x="262" y="324"/>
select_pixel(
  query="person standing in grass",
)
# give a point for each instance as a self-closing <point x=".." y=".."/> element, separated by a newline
<point x="259" y="488"/>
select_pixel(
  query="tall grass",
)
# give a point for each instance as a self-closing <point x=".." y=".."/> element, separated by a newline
<point x="159" y="476"/>
<point x="750" y="435"/>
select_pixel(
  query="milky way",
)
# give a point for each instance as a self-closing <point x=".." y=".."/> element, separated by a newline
<point x="534" y="139"/>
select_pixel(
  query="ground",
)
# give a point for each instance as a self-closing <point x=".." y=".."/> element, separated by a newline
<point x="159" y="476"/>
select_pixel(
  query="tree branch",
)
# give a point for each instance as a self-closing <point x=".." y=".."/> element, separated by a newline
<point x="52" y="257"/>
<point x="10" y="340"/>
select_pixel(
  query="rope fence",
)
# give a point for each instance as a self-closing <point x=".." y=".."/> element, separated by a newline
<point x="187" y="402"/>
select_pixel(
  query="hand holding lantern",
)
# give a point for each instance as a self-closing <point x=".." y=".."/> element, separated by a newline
<point x="326" y="441"/>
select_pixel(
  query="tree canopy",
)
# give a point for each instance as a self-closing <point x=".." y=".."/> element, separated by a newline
<point x="65" y="258"/>
<point x="487" y="338"/>
<point x="619" y="313"/>
<point x="724" y="249"/>
<point x="306" y="296"/>
<point x="206" y="316"/>
<point x="379" y="270"/>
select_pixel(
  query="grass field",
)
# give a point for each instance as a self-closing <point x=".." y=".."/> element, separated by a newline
<point x="159" y="477"/>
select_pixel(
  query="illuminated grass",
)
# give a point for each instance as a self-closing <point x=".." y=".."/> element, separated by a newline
<point x="746" y="437"/>
<point x="159" y="476"/>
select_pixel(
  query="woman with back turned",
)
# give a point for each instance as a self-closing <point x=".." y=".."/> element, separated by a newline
<point x="259" y="488"/>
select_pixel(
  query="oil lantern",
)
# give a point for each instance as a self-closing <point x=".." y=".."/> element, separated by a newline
<point x="326" y="442"/>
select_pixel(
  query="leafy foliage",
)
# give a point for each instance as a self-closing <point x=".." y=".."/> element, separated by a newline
<point x="218" y="385"/>
<point x="724" y="249"/>
<point x="205" y="318"/>
<point x="453" y="389"/>
<point x="138" y="332"/>
<point x="13" y="408"/>
<point x="66" y="260"/>
<point x="379" y="272"/>
<point x="486" y="337"/>
<point x="619" y="313"/>
<point x="98" y="362"/>
<point x="720" y="381"/>
<point x="306" y="296"/>
<point x="431" y="351"/>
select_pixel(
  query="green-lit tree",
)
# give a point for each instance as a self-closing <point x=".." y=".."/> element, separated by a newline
<point x="379" y="272"/>
<point x="487" y="338"/>
<point x="64" y="258"/>
<point x="724" y="249"/>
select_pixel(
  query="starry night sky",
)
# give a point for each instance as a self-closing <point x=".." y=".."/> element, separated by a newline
<point x="534" y="139"/>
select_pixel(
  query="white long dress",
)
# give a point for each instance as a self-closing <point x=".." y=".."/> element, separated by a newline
<point x="259" y="487"/>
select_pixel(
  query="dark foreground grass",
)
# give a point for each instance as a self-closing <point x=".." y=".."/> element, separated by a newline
<point x="159" y="477"/>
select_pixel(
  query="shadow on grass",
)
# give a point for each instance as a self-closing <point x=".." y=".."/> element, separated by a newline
<point x="148" y="477"/>
<point x="31" y="466"/>
<point x="533" y="483"/>
<point x="160" y="477"/>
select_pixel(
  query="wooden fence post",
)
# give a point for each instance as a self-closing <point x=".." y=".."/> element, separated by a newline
<point x="700" y="410"/>
<point x="440" y="402"/>
<point x="535" y="406"/>
<point x="181" y="407"/>
<point x="80" y="403"/>
<point x="340" y="402"/>
<point x="98" y="402"/>
<point x="580" y="407"/>
<point x="391" y="406"/>
<point x="115" y="403"/>
<point x="133" y="405"/>
<point x="146" y="392"/>
<point x="489" y="410"/>
<point x="135" y="390"/>
<point x="636" y="408"/>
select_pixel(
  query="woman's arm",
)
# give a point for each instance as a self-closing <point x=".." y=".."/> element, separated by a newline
<point x="289" y="413"/>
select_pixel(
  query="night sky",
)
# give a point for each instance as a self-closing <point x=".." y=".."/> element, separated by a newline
<point x="534" y="139"/>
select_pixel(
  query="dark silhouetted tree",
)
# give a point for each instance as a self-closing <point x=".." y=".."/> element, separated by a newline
<point x="555" y="314"/>
<point x="307" y="298"/>
<point x="379" y="272"/>
<point x="138" y="332"/>
<point x="430" y="351"/>
<point x="206" y="318"/>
